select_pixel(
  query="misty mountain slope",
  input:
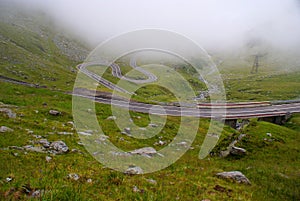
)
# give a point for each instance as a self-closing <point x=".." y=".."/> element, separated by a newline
<point x="32" y="50"/>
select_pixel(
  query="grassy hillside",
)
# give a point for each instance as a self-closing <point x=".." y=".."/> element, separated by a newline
<point x="32" y="50"/>
<point x="271" y="165"/>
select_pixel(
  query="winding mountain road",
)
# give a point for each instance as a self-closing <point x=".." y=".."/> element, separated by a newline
<point x="232" y="110"/>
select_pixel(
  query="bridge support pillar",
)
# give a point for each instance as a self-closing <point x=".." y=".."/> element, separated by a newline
<point x="231" y="123"/>
<point x="279" y="120"/>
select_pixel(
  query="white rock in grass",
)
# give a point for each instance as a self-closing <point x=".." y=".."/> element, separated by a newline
<point x="9" y="179"/>
<point x="86" y="133"/>
<point x="74" y="176"/>
<point x="135" y="189"/>
<point x="153" y="125"/>
<point x="54" y="112"/>
<point x="111" y="118"/>
<point x="149" y="151"/>
<point x="48" y="159"/>
<point x="132" y="170"/>
<point x="4" y="129"/>
<point x="152" y="181"/>
<point x="237" y="151"/>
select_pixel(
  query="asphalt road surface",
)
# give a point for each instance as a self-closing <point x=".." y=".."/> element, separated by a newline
<point x="225" y="111"/>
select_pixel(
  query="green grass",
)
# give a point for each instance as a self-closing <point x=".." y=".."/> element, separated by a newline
<point x="262" y="87"/>
<point x="272" y="163"/>
<point x="272" y="167"/>
<point x="27" y="56"/>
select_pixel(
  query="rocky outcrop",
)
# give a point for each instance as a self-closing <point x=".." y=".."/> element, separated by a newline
<point x="237" y="151"/>
<point x="234" y="175"/>
<point x="233" y="150"/>
<point x="58" y="147"/>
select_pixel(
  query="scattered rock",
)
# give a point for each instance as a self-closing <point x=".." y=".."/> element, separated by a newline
<point x="9" y="179"/>
<point x="24" y="190"/>
<point x="48" y="159"/>
<point x="36" y="194"/>
<point x="237" y="151"/>
<point x="89" y="181"/>
<point x="64" y="133"/>
<point x="54" y="112"/>
<point x="103" y="138"/>
<point x="136" y="189"/>
<point x="269" y="134"/>
<point x="34" y="149"/>
<point x="37" y="136"/>
<point x="4" y="129"/>
<point x="44" y="143"/>
<point x="268" y="140"/>
<point x="123" y="154"/>
<point x="8" y="112"/>
<point x="73" y="176"/>
<point x="16" y="148"/>
<point x="241" y="136"/>
<point x="59" y="147"/>
<point x="80" y="143"/>
<point x="127" y="130"/>
<point x="182" y="143"/>
<point x="153" y="125"/>
<point x="160" y="142"/>
<point x="71" y="123"/>
<point x="86" y="133"/>
<point x="152" y="181"/>
<point x="241" y="125"/>
<point x="233" y="150"/>
<point x="75" y="151"/>
<point x="234" y="175"/>
<point x="132" y="170"/>
<point x="29" y="131"/>
<point x="147" y="151"/>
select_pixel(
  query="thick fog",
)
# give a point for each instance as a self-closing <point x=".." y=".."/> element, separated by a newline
<point x="211" y="23"/>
